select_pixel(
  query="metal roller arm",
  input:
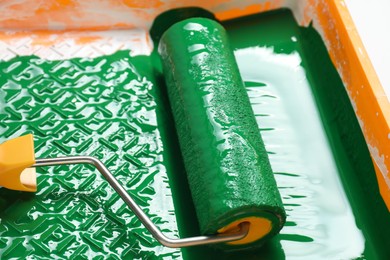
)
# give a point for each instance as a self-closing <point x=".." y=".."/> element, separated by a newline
<point x="153" y="229"/>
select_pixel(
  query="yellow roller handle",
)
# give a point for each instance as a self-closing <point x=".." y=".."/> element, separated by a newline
<point x="16" y="156"/>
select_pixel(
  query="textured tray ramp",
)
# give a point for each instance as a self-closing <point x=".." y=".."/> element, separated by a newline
<point x="104" y="107"/>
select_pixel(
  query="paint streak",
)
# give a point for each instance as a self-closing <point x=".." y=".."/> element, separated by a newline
<point x="103" y="15"/>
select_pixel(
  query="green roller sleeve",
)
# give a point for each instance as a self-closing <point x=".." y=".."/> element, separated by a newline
<point x="228" y="170"/>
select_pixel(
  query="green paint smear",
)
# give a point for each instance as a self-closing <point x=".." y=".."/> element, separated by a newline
<point x="115" y="108"/>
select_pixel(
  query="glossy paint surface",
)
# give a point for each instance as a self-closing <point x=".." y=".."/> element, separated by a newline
<point x="116" y="108"/>
<point x="227" y="166"/>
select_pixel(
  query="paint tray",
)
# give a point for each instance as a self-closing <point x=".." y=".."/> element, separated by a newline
<point x="82" y="76"/>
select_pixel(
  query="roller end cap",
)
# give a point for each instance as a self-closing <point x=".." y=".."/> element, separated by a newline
<point x="16" y="156"/>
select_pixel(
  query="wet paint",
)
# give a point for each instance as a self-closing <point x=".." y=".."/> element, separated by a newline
<point x="226" y="162"/>
<point x="108" y="108"/>
<point x="320" y="130"/>
<point x="115" y="107"/>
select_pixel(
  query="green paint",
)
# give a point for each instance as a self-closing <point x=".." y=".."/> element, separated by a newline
<point x="120" y="113"/>
<point x="109" y="107"/>
<point x="316" y="146"/>
<point x="172" y="16"/>
<point x="227" y="166"/>
<point x="351" y="154"/>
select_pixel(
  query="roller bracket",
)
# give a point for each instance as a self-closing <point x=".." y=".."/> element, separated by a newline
<point x="17" y="157"/>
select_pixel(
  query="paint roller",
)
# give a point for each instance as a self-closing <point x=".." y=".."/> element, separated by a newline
<point x="232" y="185"/>
<point x="227" y="166"/>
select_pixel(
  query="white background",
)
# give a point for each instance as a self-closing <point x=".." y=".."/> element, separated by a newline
<point x="372" y="20"/>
